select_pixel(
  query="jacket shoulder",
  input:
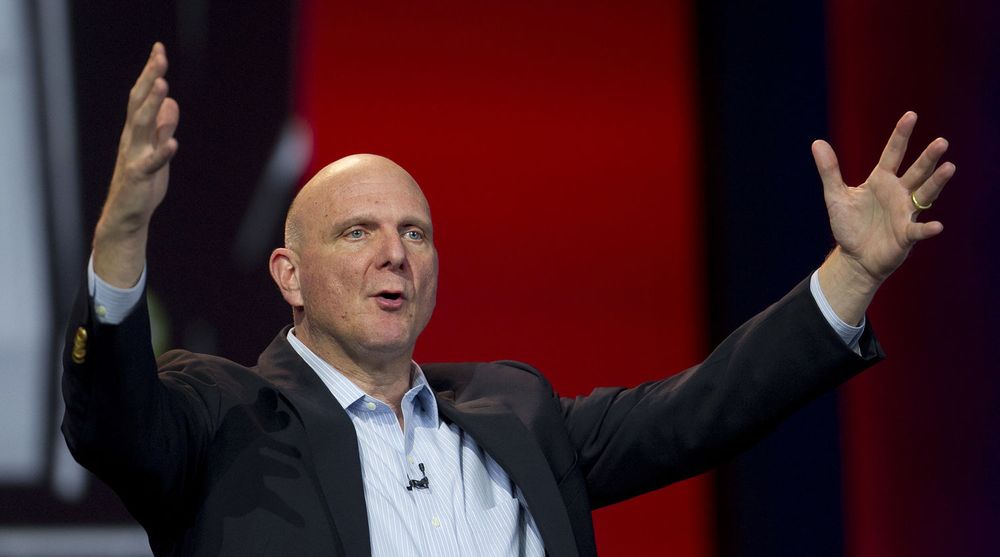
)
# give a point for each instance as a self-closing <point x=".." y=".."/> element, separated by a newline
<point x="209" y="376"/>
<point x="486" y="378"/>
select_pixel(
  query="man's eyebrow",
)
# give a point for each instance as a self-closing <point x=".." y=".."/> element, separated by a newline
<point x="353" y="221"/>
<point x="420" y="223"/>
<point x="367" y="219"/>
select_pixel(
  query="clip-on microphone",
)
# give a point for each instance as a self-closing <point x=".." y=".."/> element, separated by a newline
<point x="422" y="483"/>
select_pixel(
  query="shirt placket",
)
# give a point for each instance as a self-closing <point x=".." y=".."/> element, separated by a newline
<point x="433" y="510"/>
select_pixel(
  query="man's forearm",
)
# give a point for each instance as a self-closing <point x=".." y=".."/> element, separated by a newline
<point x="848" y="290"/>
<point x="119" y="256"/>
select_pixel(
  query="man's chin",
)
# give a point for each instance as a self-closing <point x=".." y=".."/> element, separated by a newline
<point x="391" y="346"/>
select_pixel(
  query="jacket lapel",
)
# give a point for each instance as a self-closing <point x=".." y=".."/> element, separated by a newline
<point x="508" y="441"/>
<point x="333" y="442"/>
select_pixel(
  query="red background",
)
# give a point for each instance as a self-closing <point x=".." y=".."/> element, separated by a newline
<point x="920" y="437"/>
<point x="557" y="144"/>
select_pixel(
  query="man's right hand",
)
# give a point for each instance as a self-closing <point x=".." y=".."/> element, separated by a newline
<point x="140" y="178"/>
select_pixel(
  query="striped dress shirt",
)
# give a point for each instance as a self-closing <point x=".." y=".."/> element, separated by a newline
<point x="469" y="505"/>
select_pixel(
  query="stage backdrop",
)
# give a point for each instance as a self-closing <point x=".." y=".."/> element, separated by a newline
<point x="557" y="143"/>
<point x="922" y="432"/>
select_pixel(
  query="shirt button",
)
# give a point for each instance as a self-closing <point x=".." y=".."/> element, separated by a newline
<point x="436" y="522"/>
<point x="409" y="459"/>
<point x="370" y="405"/>
<point x="101" y="311"/>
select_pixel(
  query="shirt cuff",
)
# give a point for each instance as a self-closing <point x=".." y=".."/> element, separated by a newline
<point x="849" y="334"/>
<point x="111" y="304"/>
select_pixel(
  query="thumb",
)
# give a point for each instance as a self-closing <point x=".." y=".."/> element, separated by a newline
<point x="828" y="167"/>
<point x="166" y="120"/>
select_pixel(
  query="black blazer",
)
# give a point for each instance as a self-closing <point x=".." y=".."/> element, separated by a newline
<point x="214" y="458"/>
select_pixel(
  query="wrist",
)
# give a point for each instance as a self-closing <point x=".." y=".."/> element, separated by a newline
<point x="849" y="273"/>
<point x="847" y="285"/>
<point x="119" y="255"/>
<point x="120" y="225"/>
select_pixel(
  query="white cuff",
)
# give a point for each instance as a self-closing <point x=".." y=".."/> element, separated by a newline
<point x="849" y="334"/>
<point x="112" y="304"/>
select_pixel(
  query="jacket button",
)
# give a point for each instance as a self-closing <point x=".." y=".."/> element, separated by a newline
<point x="79" y="353"/>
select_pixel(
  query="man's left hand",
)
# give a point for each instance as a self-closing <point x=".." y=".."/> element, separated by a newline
<point x="875" y="224"/>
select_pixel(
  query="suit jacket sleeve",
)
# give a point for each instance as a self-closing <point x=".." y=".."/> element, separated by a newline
<point x="141" y="433"/>
<point x="631" y="441"/>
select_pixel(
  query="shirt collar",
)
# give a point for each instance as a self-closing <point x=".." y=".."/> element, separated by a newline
<point x="348" y="394"/>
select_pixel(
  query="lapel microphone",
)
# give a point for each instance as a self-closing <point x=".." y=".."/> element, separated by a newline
<point x="422" y="483"/>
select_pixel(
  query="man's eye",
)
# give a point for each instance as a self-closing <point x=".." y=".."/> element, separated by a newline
<point x="356" y="234"/>
<point x="413" y="235"/>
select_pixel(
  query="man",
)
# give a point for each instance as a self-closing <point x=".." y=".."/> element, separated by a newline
<point x="337" y="443"/>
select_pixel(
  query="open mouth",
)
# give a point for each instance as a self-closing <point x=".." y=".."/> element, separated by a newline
<point x="389" y="300"/>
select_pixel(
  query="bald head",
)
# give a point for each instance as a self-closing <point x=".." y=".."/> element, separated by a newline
<point x="336" y="178"/>
<point x="359" y="266"/>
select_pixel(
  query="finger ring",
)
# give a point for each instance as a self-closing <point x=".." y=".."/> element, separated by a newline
<point x="913" y="198"/>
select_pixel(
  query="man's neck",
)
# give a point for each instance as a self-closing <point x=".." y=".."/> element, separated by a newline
<point x="386" y="379"/>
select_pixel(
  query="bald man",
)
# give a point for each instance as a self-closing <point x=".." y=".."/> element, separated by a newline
<point x="337" y="443"/>
<point x="359" y="270"/>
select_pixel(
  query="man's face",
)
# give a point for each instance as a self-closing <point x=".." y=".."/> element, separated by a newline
<point x="367" y="264"/>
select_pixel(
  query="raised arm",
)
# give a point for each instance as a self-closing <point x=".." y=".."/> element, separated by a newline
<point x="875" y="224"/>
<point x="141" y="433"/>
<point x="140" y="177"/>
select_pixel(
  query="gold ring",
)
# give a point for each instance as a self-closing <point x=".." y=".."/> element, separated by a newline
<point x="913" y="198"/>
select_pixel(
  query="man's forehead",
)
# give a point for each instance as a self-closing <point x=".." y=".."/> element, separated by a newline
<point x="354" y="185"/>
<point x="371" y="190"/>
<point x="375" y="197"/>
<point x="366" y="184"/>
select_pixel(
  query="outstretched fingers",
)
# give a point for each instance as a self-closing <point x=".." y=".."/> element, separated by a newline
<point x="156" y="66"/>
<point x="144" y="120"/>
<point x="147" y="139"/>
<point x="166" y="123"/>
<point x="892" y="155"/>
<point x="924" y="166"/>
<point x="928" y="191"/>
<point x="167" y="119"/>
<point x="828" y="167"/>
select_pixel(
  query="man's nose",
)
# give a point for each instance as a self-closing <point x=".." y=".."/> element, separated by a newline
<point x="392" y="253"/>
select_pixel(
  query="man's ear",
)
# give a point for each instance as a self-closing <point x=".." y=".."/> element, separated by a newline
<point x="284" y="265"/>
